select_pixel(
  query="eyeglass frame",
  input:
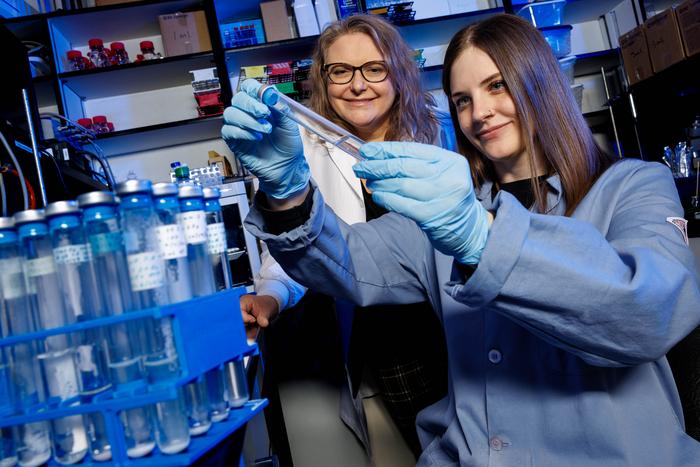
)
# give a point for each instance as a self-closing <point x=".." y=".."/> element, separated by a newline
<point x="326" y="66"/>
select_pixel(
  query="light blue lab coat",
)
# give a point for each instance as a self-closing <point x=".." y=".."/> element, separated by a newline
<point x="556" y="342"/>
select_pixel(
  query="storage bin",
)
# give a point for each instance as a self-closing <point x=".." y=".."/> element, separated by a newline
<point x="567" y="67"/>
<point x="543" y="14"/>
<point x="559" y="38"/>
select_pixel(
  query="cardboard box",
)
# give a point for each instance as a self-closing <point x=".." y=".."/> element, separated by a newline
<point x="635" y="55"/>
<point x="276" y="20"/>
<point x="688" y="15"/>
<point x="184" y="33"/>
<point x="664" y="40"/>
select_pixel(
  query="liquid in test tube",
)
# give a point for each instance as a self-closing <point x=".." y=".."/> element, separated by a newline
<point x="316" y="124"/>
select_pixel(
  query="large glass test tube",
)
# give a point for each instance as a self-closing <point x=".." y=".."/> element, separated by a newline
<point x="316" y="124"/>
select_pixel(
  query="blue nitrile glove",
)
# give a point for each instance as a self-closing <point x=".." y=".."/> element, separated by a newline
<point x="433" y="187"/>
<point x="267" y="143"/>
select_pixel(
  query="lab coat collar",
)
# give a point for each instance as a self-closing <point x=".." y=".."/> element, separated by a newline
<point x="554" y="195"/>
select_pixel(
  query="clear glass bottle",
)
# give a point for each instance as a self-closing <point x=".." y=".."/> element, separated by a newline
<point x="97" y="54"/>
<point x="148" y="51"/>
<point x="70" y="442"/>
<point x="125" y="341"/>
<point x="75" y="60"/>
<point x="194" y="224"/>
<point x="82" y="301"/>
<point x="310" y="120"/>
<point x="174" y="250"/>
<point x="119" y="54"/>
<point x="33" y="444"/>
<point x="147" y="278"/>
<point x="235" y="381"/>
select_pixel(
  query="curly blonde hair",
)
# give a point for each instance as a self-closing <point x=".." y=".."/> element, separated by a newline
<point x="411" y="116"/>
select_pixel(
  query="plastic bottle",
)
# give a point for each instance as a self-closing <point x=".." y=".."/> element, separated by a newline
<point x="147" y="278"/>
<point x="99" y="124"/>
<point x="182" y="172"/>
<point x="75" y="60"/>
<point x="148" y="51"/>
<point x="33" y="445"/>
<point x="81" y="298"/>
<point x="174" y="250"/>
<point x="86" y="123"/>
<point x="194" y="224"/>
<point x="119" y="54"/>
<point x="97" y="54"/>
<point x="125" y="341"/>
<point x="70" y="442"/>
<point x="315" y="123"/>
<point x="235" y="379"/>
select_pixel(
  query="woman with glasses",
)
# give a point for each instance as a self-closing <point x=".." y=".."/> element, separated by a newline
<point x="562" y="278"/>
<point x="364" y="78"/>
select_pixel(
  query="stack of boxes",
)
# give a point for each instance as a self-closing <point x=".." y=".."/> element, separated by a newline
<point x="663" y="40"/>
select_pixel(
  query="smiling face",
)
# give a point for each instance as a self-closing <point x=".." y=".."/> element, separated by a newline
<point x="363" y="105"/>
<point x="487" y="114"/>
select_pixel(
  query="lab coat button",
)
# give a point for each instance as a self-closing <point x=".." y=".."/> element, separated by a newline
<point x="496" y="444"/>
<point x="495" y="356"/>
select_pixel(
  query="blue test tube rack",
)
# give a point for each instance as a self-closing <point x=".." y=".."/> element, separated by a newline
<point x="208" y="332"/>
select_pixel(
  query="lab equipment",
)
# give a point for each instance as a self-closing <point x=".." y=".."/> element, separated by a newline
<point x="193" y="221"/>
<point x="174" y="250"/>
<point x="234" y="378"/>
<point x="147" y="277"/>
<point x="216" y="239"/>
<point x="78" y="283"/>
<point x="125" y="341"/>
<point x="70" y="443"/>
<point x="310" y="120"/>
<point x="33" y="445"/>
<point x="97" y="54"/>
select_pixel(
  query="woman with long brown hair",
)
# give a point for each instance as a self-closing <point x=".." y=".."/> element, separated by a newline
<point x="364" y="78"/>
<point x="562" y="279"/>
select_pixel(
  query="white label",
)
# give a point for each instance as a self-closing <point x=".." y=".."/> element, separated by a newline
<point x="195" y="225"/>
<point x="39" y="266"/>
<point x="167" y="329"/>
<point x="171" y="241"/>
<point x="216" y="238"/>
<point x="146" y="271"/>
<point x="71" y="254"/>
<point x="11" y="278"/>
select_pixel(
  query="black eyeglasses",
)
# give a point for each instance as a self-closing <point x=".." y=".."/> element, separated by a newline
<point x="343" y="73"/>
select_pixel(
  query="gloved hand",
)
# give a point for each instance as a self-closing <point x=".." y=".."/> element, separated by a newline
<point x="267" y="143"/>
<point x="433" y="187"/>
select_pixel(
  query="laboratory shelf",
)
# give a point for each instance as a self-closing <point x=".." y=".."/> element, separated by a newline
<point x="136" y="77"/>
<point x="164" y="134"/>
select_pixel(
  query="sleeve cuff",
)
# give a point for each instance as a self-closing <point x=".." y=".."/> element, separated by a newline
<point x="505" y="242"/>
<point x="277" y="222"/>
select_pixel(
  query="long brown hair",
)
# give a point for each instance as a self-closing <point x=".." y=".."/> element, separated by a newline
<point x="550" y="119"/>
<point x="410" y="117"/>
